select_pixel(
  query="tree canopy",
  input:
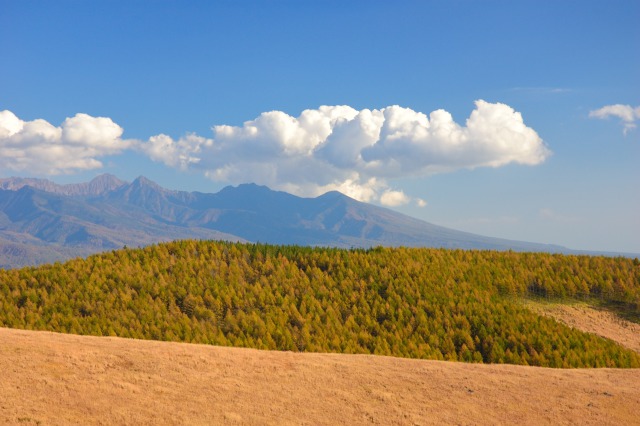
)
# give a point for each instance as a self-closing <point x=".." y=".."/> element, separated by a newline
<point x="419" y="303"/>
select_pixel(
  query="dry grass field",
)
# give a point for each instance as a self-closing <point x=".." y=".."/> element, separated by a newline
<point x="58" y="379"/>
<point x="596" y="321"/>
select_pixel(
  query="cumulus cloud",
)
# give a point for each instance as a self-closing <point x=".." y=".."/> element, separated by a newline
<point x="394" y="198"/>
<point x="626" y="113"/>
<point x="411" y="143"/>
<point x="354" y="151"/>
<point x="181" y="153"/>
<point x="41" y="148"/>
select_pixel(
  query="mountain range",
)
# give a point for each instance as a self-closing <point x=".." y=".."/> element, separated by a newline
<point x="41" y="221"/>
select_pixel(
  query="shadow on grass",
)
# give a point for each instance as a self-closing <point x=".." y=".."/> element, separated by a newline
<point x="625" y="310"/>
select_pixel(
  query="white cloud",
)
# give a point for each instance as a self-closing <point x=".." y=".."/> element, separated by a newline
<point x="421" y="203"/>
<point x="628" y="114"/>
<point x="494" y="135"/>
<point x="181" y="153"/>
<point x="355" y="152"/>
<point x="39" y="147"/>
<point x="394" y="198"/>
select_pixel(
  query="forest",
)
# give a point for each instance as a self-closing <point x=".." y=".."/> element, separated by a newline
<point x="458" y="305"/>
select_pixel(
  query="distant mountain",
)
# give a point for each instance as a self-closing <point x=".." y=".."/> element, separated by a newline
<point x="41" y="221"/>
<point x="37" y="226"/>
<point x="97" y="186"/>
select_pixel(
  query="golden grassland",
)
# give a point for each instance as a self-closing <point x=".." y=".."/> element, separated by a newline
<point x="59" y="379"/>
<point x="375" y="309"/>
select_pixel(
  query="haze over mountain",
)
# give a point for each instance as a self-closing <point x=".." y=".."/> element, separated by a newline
<point x="41" y="221"/>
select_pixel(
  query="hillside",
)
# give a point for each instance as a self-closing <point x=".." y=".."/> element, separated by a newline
<point x="55" y="222"/>
<point x="56" y="379"/>
<point x="416" y="303"/>
<point x="584" y="317"/>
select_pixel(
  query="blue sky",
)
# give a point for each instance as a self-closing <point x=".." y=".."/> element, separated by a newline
<point x="541" y="161"/>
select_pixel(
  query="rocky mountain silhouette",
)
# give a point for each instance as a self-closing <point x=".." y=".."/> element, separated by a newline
<point x="41" y="221"/>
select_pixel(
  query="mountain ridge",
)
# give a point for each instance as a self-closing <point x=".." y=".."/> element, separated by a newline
<point x="63" y="221"/>
<point x="96" y="186"/>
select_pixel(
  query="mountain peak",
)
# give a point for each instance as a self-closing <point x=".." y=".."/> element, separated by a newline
<point x="246" y="187"/>
<point x="142" y="182"/>
<point x="103" y="183"/>
<point x="107" y="178"/>
<point x="249" y="190"/>
<point x="334" y="195"/>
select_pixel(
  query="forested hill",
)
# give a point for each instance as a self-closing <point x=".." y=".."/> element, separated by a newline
<point x="419" y="303"/>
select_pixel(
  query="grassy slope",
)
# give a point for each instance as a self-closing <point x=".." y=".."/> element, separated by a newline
<point x="591" y="319"/>
<point x="57" y="379"/>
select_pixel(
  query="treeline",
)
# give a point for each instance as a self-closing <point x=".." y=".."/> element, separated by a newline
<point x="418" y="303"/>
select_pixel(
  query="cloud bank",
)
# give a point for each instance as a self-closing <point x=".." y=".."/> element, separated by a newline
<point x="354" y="151"/>
<point x="39" y="147"/>
<point x="357" y="152"/>
<point x="626" y="113"/>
